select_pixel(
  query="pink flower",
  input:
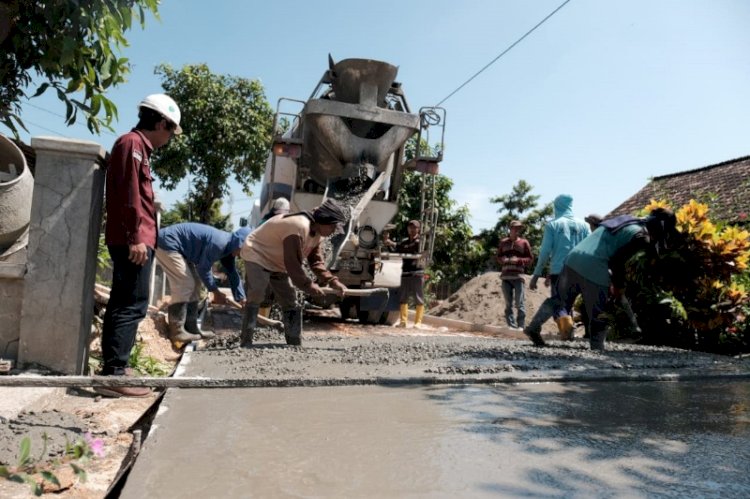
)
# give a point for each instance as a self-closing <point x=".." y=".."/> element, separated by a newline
<point x="742" y="216"/>
<point x="96" y="445"/>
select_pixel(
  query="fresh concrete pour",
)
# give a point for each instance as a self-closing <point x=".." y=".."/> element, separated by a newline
<point x="589" y="439"/>
<point x="446" y="440"/>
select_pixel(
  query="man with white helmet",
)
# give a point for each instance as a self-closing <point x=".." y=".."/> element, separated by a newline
<point x="130" y="233"/>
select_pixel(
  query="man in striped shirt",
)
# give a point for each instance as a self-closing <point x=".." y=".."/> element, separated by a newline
<point x="514" y="255"/>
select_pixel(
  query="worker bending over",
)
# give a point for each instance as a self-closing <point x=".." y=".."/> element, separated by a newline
<point x="274" y="255"/>
<point x="187" y="253"/>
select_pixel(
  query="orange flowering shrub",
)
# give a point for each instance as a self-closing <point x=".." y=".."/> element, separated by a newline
<point x="695" y="294"/>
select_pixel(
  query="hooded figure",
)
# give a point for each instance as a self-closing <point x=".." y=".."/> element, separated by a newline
<point x="187" y="253"/>
<point x="560" y="236"/>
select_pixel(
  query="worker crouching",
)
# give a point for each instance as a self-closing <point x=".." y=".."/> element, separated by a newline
<point x="274" y="254"/>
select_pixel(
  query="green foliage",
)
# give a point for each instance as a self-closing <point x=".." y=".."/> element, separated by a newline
<point x="736" y="337"/>
<point x="145" y="364"/>
<point x="182" y="211"/>
<point x="227" y="125"/>
<point x="103" y="261"/>
<point x="694" y="294"/>
<point x="73" y="47"/>
<point x="35" y="471"/>
<point x="457" y="254"/>
<point x="521" y="205"/>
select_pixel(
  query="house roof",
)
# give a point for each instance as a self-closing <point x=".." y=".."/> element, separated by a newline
<point x="725" y="187"/>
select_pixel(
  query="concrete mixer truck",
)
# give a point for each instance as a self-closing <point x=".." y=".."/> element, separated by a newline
<point x="346" y="142"/>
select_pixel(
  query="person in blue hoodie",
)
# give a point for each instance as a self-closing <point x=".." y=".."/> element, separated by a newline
<point x="560" y="236"/>
<point x="187" y="252"/>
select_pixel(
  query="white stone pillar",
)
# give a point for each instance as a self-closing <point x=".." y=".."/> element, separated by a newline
<point x="58" y="301"/>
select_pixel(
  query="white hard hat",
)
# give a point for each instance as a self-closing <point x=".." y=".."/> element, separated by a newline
<point x="164" y="105"/>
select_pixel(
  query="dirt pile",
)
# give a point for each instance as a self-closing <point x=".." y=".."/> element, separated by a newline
<point x="480" y="301"/>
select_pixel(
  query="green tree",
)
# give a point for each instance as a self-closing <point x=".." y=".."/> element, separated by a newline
<point x="227" y="125"/>
<point x="457" y="255"/>
<point x="183" y="211"/>
<point x="71" y="47"/>
<point x="521" y="205"/>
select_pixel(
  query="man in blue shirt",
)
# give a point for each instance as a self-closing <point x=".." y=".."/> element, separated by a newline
<point x="187" y="252"/>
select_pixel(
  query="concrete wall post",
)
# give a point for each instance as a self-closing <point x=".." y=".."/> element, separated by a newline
<point x="58" y="302"/>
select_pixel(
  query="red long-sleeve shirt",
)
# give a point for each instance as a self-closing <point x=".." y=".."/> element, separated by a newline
<point x="131" y="216"/>
<point x="520" y="249"/>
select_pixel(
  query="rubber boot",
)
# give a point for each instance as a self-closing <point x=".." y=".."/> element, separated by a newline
<point x="177" y="332"/>
<point x="566" y="326"/>
<point x="403" y="314"/>
<point x="191" y="322"/>
<point x="265" y="312"/>
<point x="596" y="342"/>
<point x="418" y="316"/>
<point x="534" y="335"/>
<point x="293" y="326"/>
<point x="249" y="320"/>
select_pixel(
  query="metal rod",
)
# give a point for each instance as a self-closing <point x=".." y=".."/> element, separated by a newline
<point x="193" y="382"/>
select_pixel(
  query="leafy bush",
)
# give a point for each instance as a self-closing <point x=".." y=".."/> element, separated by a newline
<point x="694" y="294"/>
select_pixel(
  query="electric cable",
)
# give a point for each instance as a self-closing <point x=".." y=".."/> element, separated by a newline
<point x="47" y="129"/>
<point x="504" y="52"/>
<point x="63" y="117"/>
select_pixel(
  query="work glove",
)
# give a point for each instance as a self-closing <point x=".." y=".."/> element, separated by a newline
<point x="532" y="283"/>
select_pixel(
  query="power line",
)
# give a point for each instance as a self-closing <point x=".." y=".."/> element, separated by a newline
<point x="504" y="52"/>
<point x="63" y="117"/>
<point x="47" y="129"/>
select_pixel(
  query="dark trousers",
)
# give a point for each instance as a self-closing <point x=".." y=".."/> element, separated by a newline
<point x="128" y="304"/>
<point x="595" y="296"/>
<point x="412" y="285"/>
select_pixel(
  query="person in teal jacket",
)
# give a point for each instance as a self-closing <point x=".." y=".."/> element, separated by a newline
<point x="560" y="236"/>
<point x="595" y="268"/>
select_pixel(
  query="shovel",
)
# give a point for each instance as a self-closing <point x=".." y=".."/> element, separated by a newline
<point x="263" y="321"/>
<point x="354" y="292"/>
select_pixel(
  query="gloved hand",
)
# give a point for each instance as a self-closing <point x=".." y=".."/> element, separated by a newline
<point x="532" y="283"/>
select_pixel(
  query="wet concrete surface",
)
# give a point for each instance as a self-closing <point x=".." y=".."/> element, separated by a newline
<point x="602" y="439"/>
<point x="422" y="429"/>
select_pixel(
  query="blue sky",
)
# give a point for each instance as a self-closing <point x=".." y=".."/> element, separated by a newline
<point x="603" y="96"/>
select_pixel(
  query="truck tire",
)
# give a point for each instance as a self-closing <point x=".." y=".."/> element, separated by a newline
<point x="369" y="316"/>
<point x="349" y="308"/>
<point x="390" y="317"/>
